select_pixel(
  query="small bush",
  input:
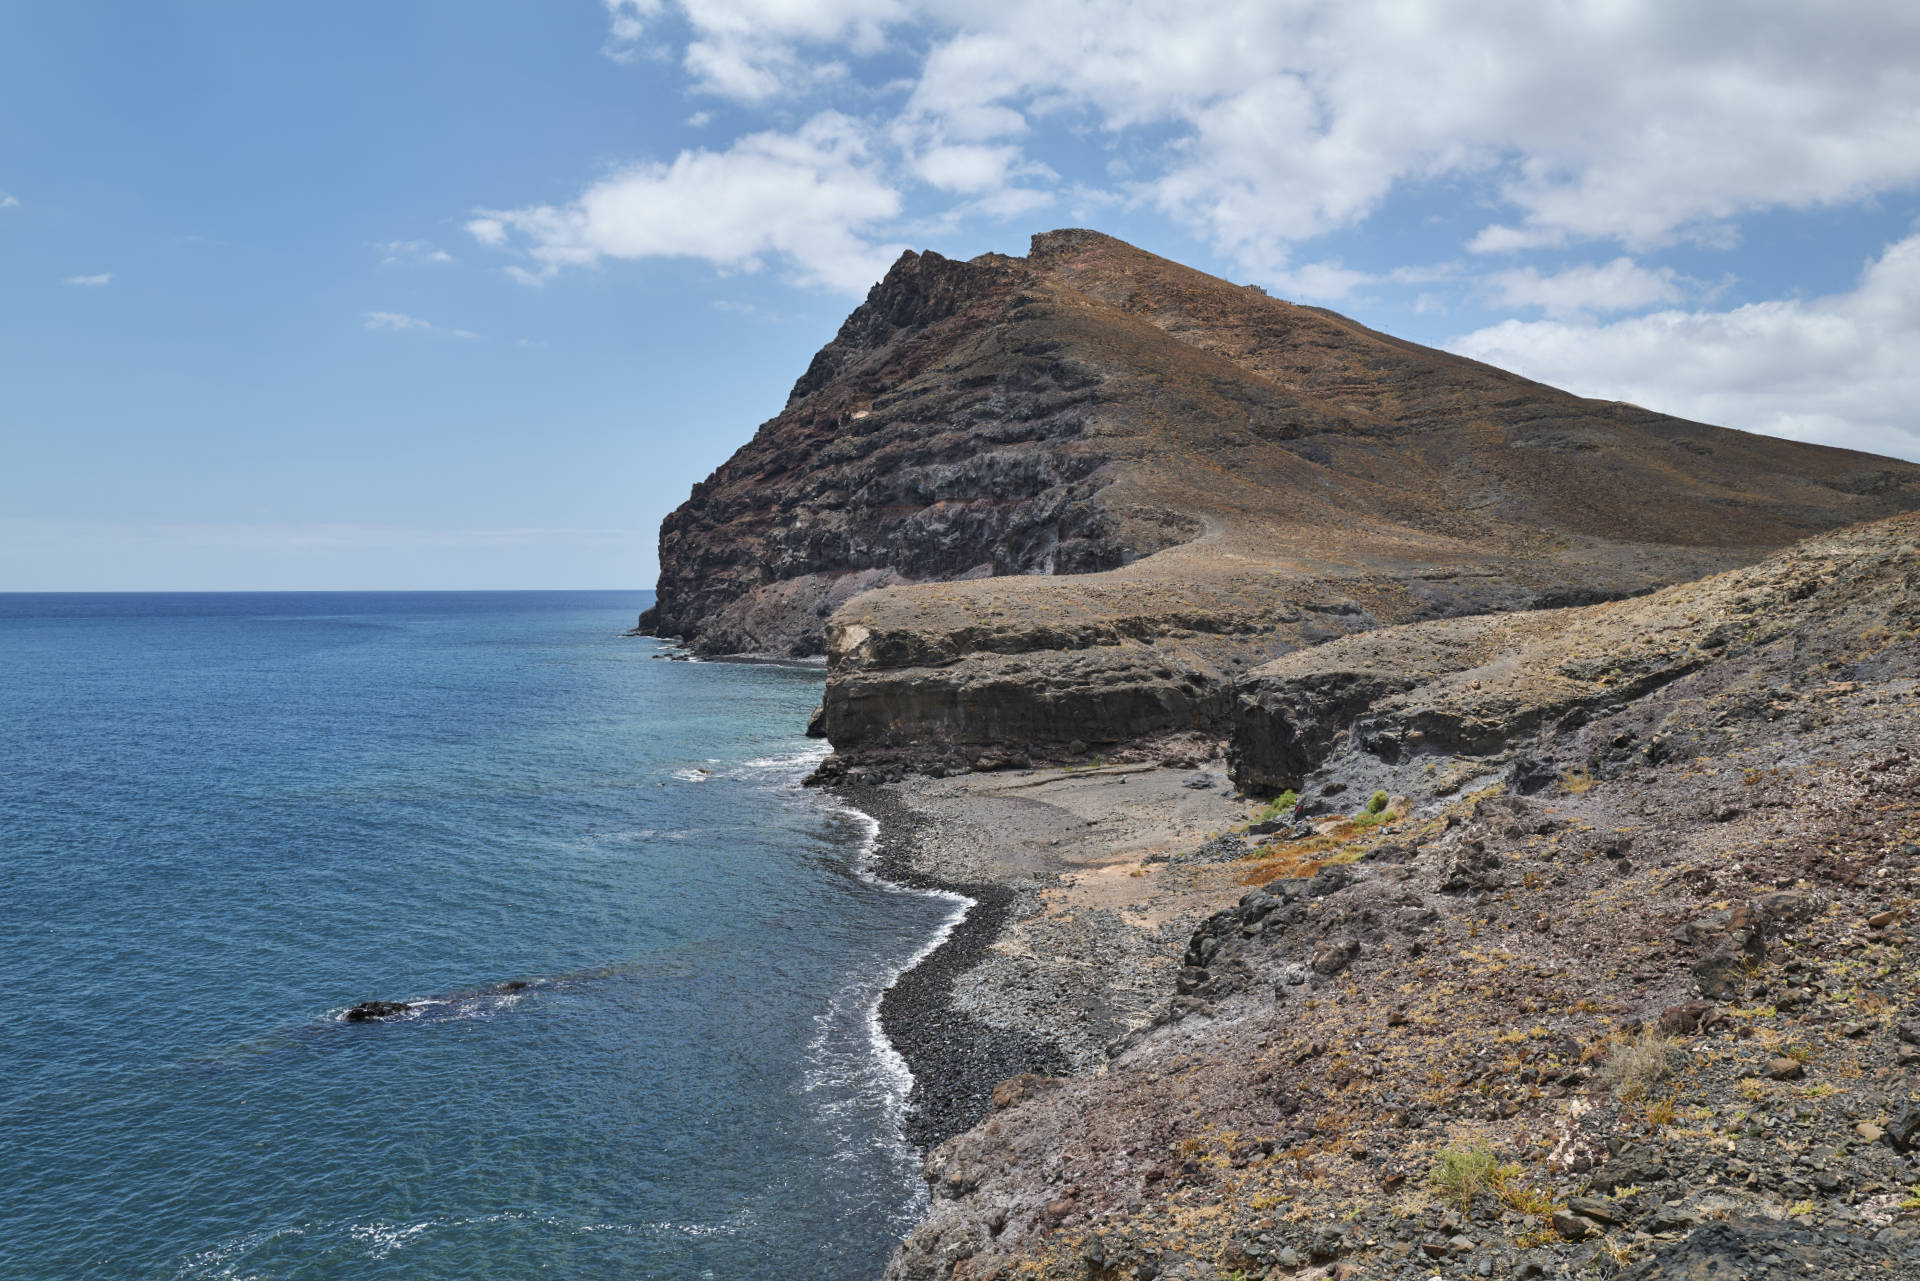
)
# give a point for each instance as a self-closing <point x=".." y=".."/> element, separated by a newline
<point x="1279" y="807"/>
<point x="1636" y="1064"/>
<point x="1517" y="1196"/>
<point x="1377" y="803"/>
<point x="1464" y="1173"/>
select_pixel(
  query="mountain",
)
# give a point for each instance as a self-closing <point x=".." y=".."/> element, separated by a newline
<point x="1056" y="506"/>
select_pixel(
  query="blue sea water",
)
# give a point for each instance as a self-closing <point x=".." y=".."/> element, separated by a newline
<point x="226" y="818"/>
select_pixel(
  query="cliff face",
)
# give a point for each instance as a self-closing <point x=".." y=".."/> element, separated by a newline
<point x="941" y="435"/>
<point x="1059" y="505"/>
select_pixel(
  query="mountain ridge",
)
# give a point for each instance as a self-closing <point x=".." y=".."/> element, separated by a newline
<point x="1113" y="466"/>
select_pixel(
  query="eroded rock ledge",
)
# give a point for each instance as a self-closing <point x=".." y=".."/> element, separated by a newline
<point x="1057" y="506"/>
<point x="1630" y="937"/>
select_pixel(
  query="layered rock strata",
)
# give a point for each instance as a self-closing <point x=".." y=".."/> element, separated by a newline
<point x="1056" y="506"/>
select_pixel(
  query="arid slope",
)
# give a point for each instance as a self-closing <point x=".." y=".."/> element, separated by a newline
<point x="1621" y="984"/>
<point x="1092" y="487"/>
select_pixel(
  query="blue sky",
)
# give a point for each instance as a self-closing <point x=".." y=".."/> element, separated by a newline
<point x="468" y="295"/>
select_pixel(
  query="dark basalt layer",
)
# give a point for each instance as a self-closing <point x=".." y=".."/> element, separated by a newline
<point x="1390" y="700"/>
<point x="1070" y="499"/>
<point x="941" y="435"/>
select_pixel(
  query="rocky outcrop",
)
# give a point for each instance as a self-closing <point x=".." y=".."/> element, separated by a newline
<point x="1023" y="504"/>
<point x="1386" y="705"/>
<point x="941" y="435"/>
<point x="1615" y="982"/>
<point x="375" y="1011"/>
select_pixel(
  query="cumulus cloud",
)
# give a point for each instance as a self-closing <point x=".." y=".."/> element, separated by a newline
<point x="9" y="201"/>
<point x="626" y="26"/>
<point x="392" y="320"/>
<point x="753" y="50"/>
<point x="1837" y="369"/>
<point x="98" y="280"/>
<point x="1631" y="122"/>
<point x="410" y="252"/>
<point x="805" y="199"/>
<point x="1620" y="285"/>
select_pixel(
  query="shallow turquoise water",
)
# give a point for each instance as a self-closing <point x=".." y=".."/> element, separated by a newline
<point x="226" y="818"/>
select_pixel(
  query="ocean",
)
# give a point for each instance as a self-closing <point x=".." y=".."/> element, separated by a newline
<point x="644" y="960"/>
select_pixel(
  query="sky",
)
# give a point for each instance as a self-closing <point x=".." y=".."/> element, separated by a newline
<point x="429" y="294"/>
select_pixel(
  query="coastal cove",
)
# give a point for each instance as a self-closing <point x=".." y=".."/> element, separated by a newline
<point x="643" y="961"/>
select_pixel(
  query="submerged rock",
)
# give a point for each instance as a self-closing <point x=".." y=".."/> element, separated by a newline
<point x="374" y="1011"/>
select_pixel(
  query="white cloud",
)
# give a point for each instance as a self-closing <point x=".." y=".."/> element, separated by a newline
<point x="1621" y="285"/>
<point x="1837" y="369"/>
<point x="1319" y="281"/>
<point x="967" y="168"/>
<point x="411" y="252"/>
<point x="805" y="199"/>
<point x="399" y="322"/>
<point x="392" y="320"/>
<point x="627" y="26"/>
<point x="753" y="50"/>
<point x="97" y="281"/>
<point x="1260" y="124"/>
<point x="9" y="201"/>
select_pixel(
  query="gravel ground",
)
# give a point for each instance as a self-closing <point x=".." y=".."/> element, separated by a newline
<point x="1077" y="927"/>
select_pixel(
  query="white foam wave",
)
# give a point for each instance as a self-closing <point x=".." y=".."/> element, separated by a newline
<point x="798" y="763"/>
<point x="229" y="1260"/>
<point x="881" y="1072"/>
<point x="477" y="1005"/>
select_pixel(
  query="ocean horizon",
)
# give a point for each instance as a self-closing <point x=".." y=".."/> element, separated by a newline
<point x="640" y="961"/>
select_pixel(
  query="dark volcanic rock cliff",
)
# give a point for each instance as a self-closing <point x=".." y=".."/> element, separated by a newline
<point x="1093" y="488"/>
<point x="941" y="435"/>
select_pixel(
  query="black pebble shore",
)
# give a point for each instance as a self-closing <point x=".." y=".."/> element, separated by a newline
<point x="956" y="1060"/>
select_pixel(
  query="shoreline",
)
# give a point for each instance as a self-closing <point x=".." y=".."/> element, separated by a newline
<point x="954" y="1060"/>
<point x="1078" y="919"/>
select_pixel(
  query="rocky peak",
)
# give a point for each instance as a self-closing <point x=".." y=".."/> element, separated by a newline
<point x="919" y="291"/>
<point x="1072" y="498"/>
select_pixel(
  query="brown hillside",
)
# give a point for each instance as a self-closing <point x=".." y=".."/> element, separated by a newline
<point x="1096" y="485"/>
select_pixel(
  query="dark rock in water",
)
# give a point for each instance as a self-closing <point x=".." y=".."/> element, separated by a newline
<point x="374" y="1011"/>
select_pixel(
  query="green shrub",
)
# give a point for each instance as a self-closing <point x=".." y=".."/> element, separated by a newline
<point x="1377" y="803"/>
<point x="1279" y="806"/>
<point x="1464" y="1173"/>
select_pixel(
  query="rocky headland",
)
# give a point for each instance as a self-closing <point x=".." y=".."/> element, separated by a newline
<point x="1052" y="507"/>
<point x="1422" y="822"/>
